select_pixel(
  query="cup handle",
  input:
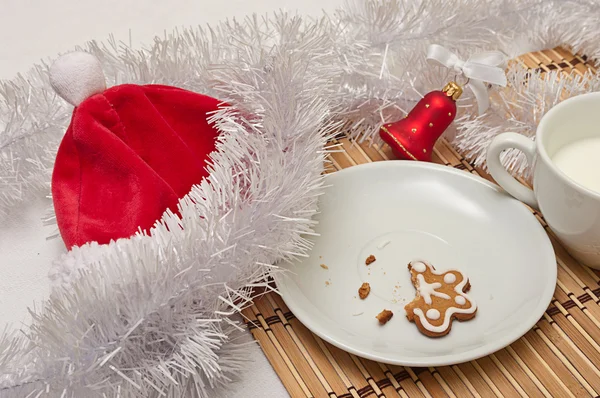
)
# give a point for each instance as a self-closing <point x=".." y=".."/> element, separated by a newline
<point x="501" y="175"/>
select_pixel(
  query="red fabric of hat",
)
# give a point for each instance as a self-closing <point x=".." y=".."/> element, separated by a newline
<point x="130" y="153"/>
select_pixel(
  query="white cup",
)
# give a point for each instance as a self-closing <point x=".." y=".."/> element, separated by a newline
<point x="571" y="210"/>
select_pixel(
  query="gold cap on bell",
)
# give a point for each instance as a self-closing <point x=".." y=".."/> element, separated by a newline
<point x="453" y="90"/>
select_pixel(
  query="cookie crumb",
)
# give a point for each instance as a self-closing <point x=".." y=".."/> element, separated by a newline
<point x="327" y="283"/>
<point x="370" y="259"/>
<point x="384" y="316"/>
<point x="324" y="266"/>
<point x="364" y="290"/>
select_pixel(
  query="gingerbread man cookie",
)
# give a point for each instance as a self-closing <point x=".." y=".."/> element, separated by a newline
<point x="439" y="300"/>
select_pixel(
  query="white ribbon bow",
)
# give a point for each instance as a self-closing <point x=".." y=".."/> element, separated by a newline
<point x="483" y="67"/>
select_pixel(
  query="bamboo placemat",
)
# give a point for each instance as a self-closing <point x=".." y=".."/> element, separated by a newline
<point x="559" y="357"/>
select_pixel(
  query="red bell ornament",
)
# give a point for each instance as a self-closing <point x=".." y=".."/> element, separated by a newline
<point x="413" y="137"/>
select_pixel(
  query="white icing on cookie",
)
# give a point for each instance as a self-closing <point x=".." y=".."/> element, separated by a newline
<point x="433" y="314"/>
<point x="425" y="288"/>
<point x="418" y="266"/>
<point x="449" y="278"/>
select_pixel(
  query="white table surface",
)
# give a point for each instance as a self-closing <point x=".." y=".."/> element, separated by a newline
<point x="32" y="30"/>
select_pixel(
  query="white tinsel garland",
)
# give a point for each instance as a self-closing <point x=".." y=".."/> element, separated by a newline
<point x="150" y="315"/>
<point x="384" y="70"/>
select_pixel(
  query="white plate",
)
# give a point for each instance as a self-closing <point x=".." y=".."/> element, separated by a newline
<point x="450" y="218"/>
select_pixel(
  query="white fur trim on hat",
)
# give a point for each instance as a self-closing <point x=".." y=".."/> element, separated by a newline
<point x="76" y="76"/>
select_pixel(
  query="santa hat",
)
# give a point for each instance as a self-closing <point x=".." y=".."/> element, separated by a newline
<point x="130" y="152"/>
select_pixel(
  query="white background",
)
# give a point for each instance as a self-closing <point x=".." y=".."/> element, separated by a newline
<point x="35" y="29"/>
<point x="32" y="30"/>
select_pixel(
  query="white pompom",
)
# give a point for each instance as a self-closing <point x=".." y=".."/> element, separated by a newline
<point x="76" y="76"/>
